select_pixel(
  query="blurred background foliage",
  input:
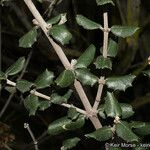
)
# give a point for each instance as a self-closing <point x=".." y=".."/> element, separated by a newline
<point x="132" y="57"/>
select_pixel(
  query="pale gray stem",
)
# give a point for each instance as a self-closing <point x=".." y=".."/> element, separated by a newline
<point x="99" y="94"/>
<point x="106" y="31"/>
<point x="34" y="92"/>
<point x="63" y="59"/>
<point x="26" y="126"/>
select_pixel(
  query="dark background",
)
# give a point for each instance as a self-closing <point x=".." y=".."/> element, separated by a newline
<point x="16" y="20"/>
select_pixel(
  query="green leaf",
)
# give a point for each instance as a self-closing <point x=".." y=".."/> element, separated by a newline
<point x="101" y="112"/>
<point x="68" y="94"/>
<point x="61" y="34"/>
<point x="65" y="79"/>
<point x="44" y="105"/>
<point x="120" y="83"/>
<point x="87" y="23"/>
<point x="64" y="124"/>
<point x="72" y="113"/>
<point x="10" y="89"/>
<point x="147" y="73"/>
<point x="136" y="124"/>
<point x="112" y="107"/>
<point x="44" y="80"/>
<point x="86" y="77"/>
<point x="127" y="110"/>
<point x="16" y="67"/>
<point x="23" y="85"/>
<point x="76" y="124"/>
<point x="57" y="99"/>
<point x="31" y="103"/>
<point x="123" y="31"/>
<point x="112" y="48"/>
<point x="123" y="131"/>
<point x="102" y="63"/>
<point x="141" y="128"/>
<point x="28" y="39"/>
<point x="102" y="134"/>
<point x="86" y="58"/>
<point x="54" y="20"/>
<point x="70" y="143"/>
<point x="2" y="76"/>
<point x="103" y="2"/>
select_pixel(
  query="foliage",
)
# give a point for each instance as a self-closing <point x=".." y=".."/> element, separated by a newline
<point x="111" y="108"/>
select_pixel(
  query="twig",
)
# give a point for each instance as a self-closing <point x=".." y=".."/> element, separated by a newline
<point x="26" y="126"/>
<point x="64" y="61"/>
<point x="13" y="93"/>
<point x="34" y="92"/>
<point x="50" y="7"/>
<point x="105" y="47"/>
<point x="7" y="147"/>
<point x="26" y="64"/>
<point x="7" y="103"/>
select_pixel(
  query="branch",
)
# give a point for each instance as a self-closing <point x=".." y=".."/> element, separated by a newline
<point x="7" y="147"/>
<point x="50" y="8"/>
<point x="105" y="47"/>
<point x="34" y="92"/>
<point x="64" y="61"/>
<point x="26" y="126"/>
<point x="13" y="93"/>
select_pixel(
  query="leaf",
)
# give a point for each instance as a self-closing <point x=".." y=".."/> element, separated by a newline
<point x="68" y="94"/>
<point x="127" y="110"/>
<point x="28" y="39"/>
<point x="44" y="80"/>
<point x="57" y="99"/>
<point x="86" y="58"/>
<point x="31" y="103"/>
<point x="23" y="85"/>
<point x="136" y="124"/>
<point x="76" y="124"/>
<point x="103" y="2"/>
<point x="16" y="67"/>
<point x="123" y="31"/>
<point x="112" y="48"/>
<point x="61" y="34"/>
<point x="147" y="73"/>
<point x="86" y="77"/>
<point x="70" y="143"/>
<point x="87" y="23"/>
<point x="65" y="79"/>
<point x="44" y="105"/>
<point x="72" y="113"/>
<point x="102" y="63"/>
<point x="101" y="112"/>
<point x="10" y="89"/>
<point x="2" y="76"/>
<point x="54" y="20"/>
<point x="64" y="124"/>
<point x="141" y="128"/>
<point x="123" y="131"/>
<point x="102" y="134"/>
<point x="112" y="107"/>
<point x="63" y="18"/>
<point x="120" y="83"/>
